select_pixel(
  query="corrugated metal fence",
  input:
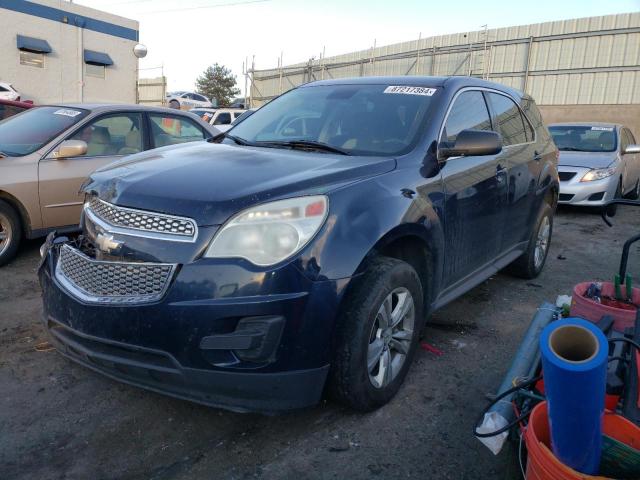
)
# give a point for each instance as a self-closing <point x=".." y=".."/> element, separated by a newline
<point x="593" y="60"/>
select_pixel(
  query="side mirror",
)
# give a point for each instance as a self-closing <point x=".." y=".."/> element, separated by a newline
<point x="632" y="148"/>
<point x="473" y="142"/>
<point x="70" y="149"/>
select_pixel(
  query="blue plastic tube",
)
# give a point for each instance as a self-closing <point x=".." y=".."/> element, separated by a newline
<point x="574" y="364"/>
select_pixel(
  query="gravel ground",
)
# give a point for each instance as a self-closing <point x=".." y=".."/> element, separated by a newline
<point x="61" y="421"/>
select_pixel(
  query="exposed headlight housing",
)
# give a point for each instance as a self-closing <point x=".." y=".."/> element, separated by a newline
<point x="272" y="232"/>
<point x="598" y="174"/>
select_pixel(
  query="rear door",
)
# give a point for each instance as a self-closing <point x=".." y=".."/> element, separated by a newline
<point x="523" y="163"/>
<point x="108" y="138"/>
<point x="475" y="194"/>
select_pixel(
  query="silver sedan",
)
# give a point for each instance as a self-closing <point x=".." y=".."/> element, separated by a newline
<point x="598" y="162"/>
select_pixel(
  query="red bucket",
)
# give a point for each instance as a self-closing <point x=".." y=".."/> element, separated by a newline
<point x="543" y="465"/>
<point x="586" y="308"/>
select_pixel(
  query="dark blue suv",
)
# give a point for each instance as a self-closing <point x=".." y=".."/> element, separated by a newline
<point x="302" y="251"/>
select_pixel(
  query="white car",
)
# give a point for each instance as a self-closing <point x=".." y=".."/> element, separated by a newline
<point x="187" y="100"/>
<point x="7" y="92"/>
<point x="221" y="118"/>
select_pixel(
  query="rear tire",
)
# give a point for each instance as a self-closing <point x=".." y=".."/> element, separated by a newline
<point x="10" y="232"/>
<point x="372" y="355"/>
<point x="531" y="262"/>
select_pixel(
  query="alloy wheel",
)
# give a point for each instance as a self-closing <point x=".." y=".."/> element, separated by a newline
<point x="542" y="242"/>
<point x="390" y="338"/>
<point x="5" y="233"/>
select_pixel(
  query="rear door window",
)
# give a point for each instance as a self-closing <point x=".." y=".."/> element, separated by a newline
<point x="223" y="118"/>
<point x="169" y="130"/>
<point x="469" y="112"/>
<point x="508" y="120"/>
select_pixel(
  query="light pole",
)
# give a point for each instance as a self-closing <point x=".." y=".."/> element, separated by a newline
<point x="140" y="51"/>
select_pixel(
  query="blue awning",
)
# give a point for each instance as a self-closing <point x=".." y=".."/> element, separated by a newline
<point x="31" y="44"/>
<point x="97" y="58"/>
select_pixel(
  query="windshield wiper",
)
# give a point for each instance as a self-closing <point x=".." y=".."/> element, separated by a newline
<point x="238" y="140"/>
<point x="305" y="144"/>
<point x="572" y="149"/>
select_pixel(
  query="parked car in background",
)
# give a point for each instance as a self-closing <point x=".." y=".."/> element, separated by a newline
<point x="9" y="108"/>
<point x="8" y="92"/>
<point x="46" y="153"/>
<point x="187" y="100"/>
<point x="243" y="115"/>
<point x="306" y="247"/>
<point x="598" y="162"/>
<point x="221" y="118"/>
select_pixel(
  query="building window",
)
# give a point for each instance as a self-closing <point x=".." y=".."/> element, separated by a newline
<point x="32" y="59"/>
<point x="94" y="70"/>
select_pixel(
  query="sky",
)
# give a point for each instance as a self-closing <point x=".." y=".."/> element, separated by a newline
<point x="187" y="36"/>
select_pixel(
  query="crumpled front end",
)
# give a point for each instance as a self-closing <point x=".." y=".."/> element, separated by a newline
<point x="132" y="298"/>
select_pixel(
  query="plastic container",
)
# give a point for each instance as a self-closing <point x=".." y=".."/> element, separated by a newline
<point x="543" y="465"/>
<point x="586" y="308"/>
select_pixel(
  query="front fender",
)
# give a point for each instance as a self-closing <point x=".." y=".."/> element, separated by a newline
<point x="366" y="216"/>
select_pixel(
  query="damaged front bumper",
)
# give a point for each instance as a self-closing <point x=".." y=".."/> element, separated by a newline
<point x="215" y="333"/>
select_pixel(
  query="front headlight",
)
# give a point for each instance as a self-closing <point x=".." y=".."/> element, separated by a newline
<point x="598" y="174"/>
<point x="272" y="232"/>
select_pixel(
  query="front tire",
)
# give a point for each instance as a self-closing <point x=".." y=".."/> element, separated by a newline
<point x="377" y="335"/>
<point x="635" y="193"/>
<point x="174" y="104"/>
<point x="10" y="232"/>
<point x="531" y="262"/>
<point x="611" y="210"/>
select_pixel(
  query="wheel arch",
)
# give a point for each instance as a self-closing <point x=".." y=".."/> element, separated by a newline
<point x="416" y="245"/>
<point x="23" y="214"/>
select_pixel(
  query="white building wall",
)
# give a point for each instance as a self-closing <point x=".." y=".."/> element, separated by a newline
<point x="63" y="77"/>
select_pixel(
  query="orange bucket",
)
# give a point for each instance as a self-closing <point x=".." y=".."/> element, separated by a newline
<point x="543" y="465"/>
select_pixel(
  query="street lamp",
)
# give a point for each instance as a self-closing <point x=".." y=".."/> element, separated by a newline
<point x="140" y="51"/>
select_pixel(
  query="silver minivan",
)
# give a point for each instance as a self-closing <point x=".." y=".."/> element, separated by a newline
<point x="598" y="162"/>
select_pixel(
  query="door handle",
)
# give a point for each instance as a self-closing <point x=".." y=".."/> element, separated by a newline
<point x="537" y="156"/>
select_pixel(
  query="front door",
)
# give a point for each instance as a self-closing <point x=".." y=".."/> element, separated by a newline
<point x="475" y="194"/>
<point x="108" y="138"/>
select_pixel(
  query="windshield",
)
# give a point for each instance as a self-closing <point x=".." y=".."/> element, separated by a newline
<point x="28" y="131"/>
<point x="378" y="120"/>
<point x="584" y="138"/>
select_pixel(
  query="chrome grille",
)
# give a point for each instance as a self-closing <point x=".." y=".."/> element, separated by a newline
<point x="99" y="281"/>
<point x="142" y="220"/>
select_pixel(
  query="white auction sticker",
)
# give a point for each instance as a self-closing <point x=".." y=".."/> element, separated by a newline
<point x="404" y="90"/>
<point x="67" y="112"/>
<point x="604" y="129"/>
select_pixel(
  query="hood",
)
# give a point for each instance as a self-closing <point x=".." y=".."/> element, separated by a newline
<point x="210" y="182"/>
<point x="586" y="159"/>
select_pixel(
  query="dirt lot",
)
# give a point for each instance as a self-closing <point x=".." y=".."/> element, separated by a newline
<point x="59" y="420"/>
